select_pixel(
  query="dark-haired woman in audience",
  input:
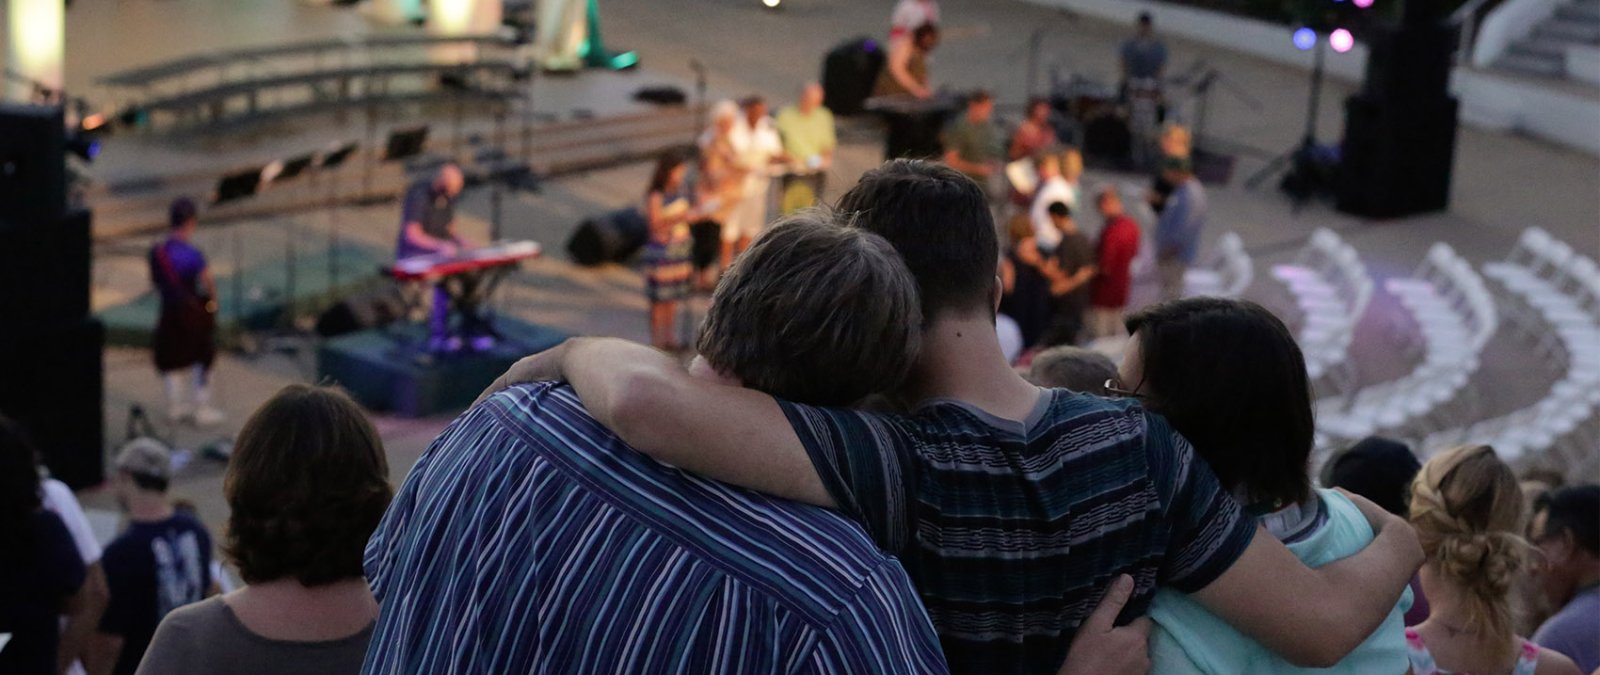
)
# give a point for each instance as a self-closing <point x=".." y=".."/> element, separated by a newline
<point x="41" y="574"/>
<point x="668" y="211"/>
<point x="1025" y="282"/>
<point x="1034" y="134"/>
<point x="1229" y="377"/>
<point x="1468" y="511"/>
<point x="306" y="485"/>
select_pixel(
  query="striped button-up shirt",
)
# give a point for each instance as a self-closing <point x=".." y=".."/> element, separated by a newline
<point x="528" y="539"/>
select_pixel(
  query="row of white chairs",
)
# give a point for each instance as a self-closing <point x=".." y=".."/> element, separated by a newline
<point x="1226" y="274"/>
<point x="1557" y="294"/>
<point x="1332" y="288"/>
<point x="1455" y="316"/>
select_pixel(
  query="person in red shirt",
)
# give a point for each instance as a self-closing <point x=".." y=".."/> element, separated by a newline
<point x="1119" y="243"/>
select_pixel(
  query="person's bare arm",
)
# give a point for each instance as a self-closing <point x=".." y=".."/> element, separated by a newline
<point x="731" y="434"/>
<point x="104" y="648"/>
<point x="421" y="239"/>
<point x="1313" y="618"/>
<point x="899" y="62"/>
<point x="83" y="612"/>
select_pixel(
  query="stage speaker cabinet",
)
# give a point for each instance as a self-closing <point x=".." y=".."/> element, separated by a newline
<point x="53" y="376"/>
<point x="44" y="270"/>
<point x="33" y="165"/>
<point x="1397" y="156"/>
<point x="376" y="308"/>
<point x="611" y="237"/>
<point x="849" y="73"/>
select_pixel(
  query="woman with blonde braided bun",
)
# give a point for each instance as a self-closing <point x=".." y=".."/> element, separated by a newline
<point x="1467" y="509"/>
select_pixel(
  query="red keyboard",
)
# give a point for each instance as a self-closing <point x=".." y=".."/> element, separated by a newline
<point x="494" y="255"/>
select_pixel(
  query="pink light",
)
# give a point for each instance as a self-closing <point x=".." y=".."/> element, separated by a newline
<point x="1341" y="40"/>
<point x="1363" y="3"/>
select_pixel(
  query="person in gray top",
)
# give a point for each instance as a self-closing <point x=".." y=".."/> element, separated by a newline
<point x="1144" y="55"/>
<point x="306" y="486"/>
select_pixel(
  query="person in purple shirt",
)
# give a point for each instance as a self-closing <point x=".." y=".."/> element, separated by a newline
<point x="1566" y="528"/>
<point x="185" y="337"/>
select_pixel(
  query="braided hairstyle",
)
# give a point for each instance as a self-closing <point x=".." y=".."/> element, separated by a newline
<point x="1467" y="509"/>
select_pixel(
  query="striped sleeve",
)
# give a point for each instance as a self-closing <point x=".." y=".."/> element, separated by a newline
<point x="1209" y="529"/>
<point x="864" y="461"/>
<point x="883" y="630"/>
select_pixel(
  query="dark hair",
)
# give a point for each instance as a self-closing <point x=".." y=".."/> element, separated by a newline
<point x="665" y="165"/>
<point x="815" y="313"/>
<point x="939" y="221"/>
<point x="19" y="488"/>
<point x="181" y="212"/>
<point x="1228" y="375"/>
<point x="1059" y="210"/>
<point x="306" y="486"/>
<point x="923" y="32"/>
<point x="1574" y="509"/>
<point x="979" y="96"/>
<point x="1075" y="368"/>
<point x="1380" y="469"/>
<point x="1145" y="18"/>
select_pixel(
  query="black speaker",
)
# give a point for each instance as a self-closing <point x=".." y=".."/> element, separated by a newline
<point x="1396" y="157"/>
<point x="1409" y="63"/>
<point x="44" y="270"/>
<point x="53" y="378"/>
<point x="371" y="309"/>
<point x="849" y="73"/>
<point x="33" y="165"/>
<point x="612" y="237"/>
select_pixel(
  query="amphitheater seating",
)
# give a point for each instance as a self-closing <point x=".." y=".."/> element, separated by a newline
<point x="1227" y="274"/>
<point x="1332" y="287"/>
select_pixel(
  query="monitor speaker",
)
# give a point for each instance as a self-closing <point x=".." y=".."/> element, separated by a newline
<point x="849" y="73"/>
<point x="44" y="270"/>
<point x="33" y="165"/>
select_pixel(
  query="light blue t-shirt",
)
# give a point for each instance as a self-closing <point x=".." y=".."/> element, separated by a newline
<point x="1189" y="639"/>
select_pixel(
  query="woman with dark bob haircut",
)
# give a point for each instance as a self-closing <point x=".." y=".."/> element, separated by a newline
<point x="306" y="485"/>
<point x="1229" y="377"/>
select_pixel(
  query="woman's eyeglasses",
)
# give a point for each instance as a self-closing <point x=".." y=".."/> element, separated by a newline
<point x="1114" y="388"/>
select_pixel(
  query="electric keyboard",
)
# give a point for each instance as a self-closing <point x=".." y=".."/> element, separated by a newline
<point x="504" y="254"/>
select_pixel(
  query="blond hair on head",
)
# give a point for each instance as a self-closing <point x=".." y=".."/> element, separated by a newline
<point x="1466" y="506"/>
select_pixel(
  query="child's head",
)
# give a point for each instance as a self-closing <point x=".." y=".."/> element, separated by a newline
<point x="1061" y="217"/>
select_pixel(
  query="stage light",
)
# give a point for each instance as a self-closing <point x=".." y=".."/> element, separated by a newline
<point x="1363" y="3"/>
<point x="1305" y="39"/>
<point x="1341" y="40"/>
<point x="771" y="4"/>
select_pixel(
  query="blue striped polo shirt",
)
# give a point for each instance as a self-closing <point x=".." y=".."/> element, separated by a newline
<point x="528" y="538"/>
<point x="1013" y="530"/>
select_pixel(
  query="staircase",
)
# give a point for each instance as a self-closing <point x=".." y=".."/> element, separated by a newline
<point x="1544" y="51"/>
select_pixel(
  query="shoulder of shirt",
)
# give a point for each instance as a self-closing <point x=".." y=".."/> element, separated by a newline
<point x="206" y="614"/>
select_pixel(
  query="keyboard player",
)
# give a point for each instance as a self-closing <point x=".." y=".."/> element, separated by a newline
<point x="428" y="227"/>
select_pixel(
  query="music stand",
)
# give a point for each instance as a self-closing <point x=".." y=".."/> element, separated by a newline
<point x="273" y="174"/>
<point x="234" y="187"/>
<point x="332" y="159"/>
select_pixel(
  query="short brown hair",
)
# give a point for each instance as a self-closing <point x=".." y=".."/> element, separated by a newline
<point x="307" y="484"/>
<point x="815" y="312"/>
<point x="939" y="221"/>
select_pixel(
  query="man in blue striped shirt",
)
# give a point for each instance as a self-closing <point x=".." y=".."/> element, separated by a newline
<point x="1010" y="505"/>
<point x="529" y="539"/>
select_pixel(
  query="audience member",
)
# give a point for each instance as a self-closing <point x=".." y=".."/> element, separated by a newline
<point x="987" y="457"/>
<point x="667" y="266"/>
<point x="41" y="573"/>
<point x="1174" y="142"/>
<point x="1530" y="606"/>
<point x="1229" y="377"/>
<point x="759" y="149"/>
<point x="1035" y="134"/>
<point x="1070" y="269"/>
<point x="1381" y="470"/>
<point x="1566" y="527"/>
<point x="905" y="71"/>
<point x="306" y="484"/>
<point x="160" y="563"/>
<point x="1467" y="509"/>
<point x="644" y="568"/>
<point x="808" y="139"/>
<point x="1052" y="188"/>
<point x="1066" y="367"/>
<point x="719" y="187"/>
<point x="1178" y="228"/>
<point x="1114" y="254"/>
<point x="185" y="337"/>
<point x="1144" y="56"/>
<point x="1025" y="284"/>
<point x="972" y="143"/>
<point x="78" y="627"/>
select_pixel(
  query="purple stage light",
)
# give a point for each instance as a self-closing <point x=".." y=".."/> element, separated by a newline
<point x="1305" y="39"/>
<point x="1341" y="40"/>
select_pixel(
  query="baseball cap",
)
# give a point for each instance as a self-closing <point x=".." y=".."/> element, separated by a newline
<point x="145" y="457"/>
